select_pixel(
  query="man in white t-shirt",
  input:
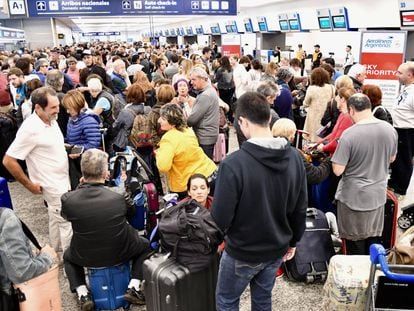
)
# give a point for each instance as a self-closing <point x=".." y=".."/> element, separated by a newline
<point x="40" y="142"/>
<point x="403" y="119"/>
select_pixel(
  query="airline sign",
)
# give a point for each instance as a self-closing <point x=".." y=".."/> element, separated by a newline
<point x="56" y="8"/>
<point x="382" y="53"/>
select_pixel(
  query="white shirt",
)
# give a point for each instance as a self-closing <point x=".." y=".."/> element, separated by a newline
<point x="403" y="112"/>
<point x="42" y="146"/>
<point x="349" y="59"/>
<point x="241" y="79"/>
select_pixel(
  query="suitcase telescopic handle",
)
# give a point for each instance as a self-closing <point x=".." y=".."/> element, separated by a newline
<point x="378" y="255"/>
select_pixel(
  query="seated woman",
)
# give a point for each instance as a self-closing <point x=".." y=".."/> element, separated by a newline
<point x="198" y="188"/>
<point x="285" y="127"/>
<point x="328" y="144"/>
<point x="179" y="154"/>
<point x="18" y="263"/>
<point x="82" y="131"/>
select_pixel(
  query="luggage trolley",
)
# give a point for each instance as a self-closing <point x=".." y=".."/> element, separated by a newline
<point x="394" y="291"/>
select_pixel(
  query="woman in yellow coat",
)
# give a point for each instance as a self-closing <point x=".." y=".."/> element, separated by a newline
<point x="179" y="155"/>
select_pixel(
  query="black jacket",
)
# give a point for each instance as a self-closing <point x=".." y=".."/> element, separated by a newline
<point x="260" y="200"/>
<point x="101" y="235"/>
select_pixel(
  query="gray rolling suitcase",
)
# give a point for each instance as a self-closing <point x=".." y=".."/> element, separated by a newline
<point x="170" y="286"/>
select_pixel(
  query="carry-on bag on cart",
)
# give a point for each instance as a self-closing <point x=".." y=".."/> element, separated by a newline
<point x="170" y="286"/>
<point x="5" y="198"/>
<point x="346" y="287"/>
<point x="394" y="290"/>
<point x="313" y="251"/>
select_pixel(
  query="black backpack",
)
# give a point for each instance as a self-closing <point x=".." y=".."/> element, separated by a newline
<point x="189" y="232"/>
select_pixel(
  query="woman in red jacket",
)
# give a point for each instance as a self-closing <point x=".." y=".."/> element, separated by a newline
<point x="328" y="144"/>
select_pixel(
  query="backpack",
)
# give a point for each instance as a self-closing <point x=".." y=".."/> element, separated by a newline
<point x="140" y="135"/>
<point x="388" y="114"/>
<point x="118" y="104"/>
<point x="189" y="232"/>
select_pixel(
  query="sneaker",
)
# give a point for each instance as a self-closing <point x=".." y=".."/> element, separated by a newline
<point x="280" y="272"/>
<point x="86" y="303"/>
<point x="136" y="297"/>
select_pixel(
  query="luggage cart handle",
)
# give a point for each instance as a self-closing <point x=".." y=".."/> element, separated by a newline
<point x="378" y="255"/>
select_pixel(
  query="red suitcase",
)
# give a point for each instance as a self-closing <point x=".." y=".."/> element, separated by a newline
<point x="151" y="195"/>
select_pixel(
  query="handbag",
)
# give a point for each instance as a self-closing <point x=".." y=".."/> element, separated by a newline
<point x="403" y="252"/>
<point x="8" y="302"/>
<point x="41" y="292"/>
<point x="324" y="130"/>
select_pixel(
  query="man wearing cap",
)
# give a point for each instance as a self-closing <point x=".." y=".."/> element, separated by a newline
<point x="316" y="56"/>
<point x="41" y="69"/>
<point x="87" y="57"/>
<point x="144" y="62"/>
<point x="204" y="118"/>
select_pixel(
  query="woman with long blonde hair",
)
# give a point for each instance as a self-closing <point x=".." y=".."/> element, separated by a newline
<point x="183" y="71"/>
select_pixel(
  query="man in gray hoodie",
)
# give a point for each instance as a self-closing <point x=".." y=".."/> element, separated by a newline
<point x="204" y="117"/>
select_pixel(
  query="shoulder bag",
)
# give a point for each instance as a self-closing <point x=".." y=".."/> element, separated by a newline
<point x="41" y="292"/>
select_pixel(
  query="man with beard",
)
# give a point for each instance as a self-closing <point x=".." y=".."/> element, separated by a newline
<point x="40" y="142"/>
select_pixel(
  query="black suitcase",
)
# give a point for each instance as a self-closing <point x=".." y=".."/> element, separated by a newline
<point x="313" y="251"/>
<point x="170" y="286"/>
<point x="390" y="221"/>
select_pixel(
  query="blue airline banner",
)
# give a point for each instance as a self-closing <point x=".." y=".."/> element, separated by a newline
<point x="56" y="8"/>
<point x="95" y="34"/>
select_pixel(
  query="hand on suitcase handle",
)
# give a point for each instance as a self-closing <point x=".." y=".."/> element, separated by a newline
<point x="289" y="254"/>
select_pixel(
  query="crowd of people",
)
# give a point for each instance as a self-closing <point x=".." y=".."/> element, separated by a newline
<point x="65" y="111"/>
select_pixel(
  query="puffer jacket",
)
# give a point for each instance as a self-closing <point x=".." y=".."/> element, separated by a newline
<point x="84" y="131"/>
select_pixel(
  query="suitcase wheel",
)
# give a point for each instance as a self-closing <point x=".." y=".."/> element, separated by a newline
<point x="404" y="222"/>
<point x="310" y="278"/>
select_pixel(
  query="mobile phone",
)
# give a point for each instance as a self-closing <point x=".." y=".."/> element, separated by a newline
<point x="76" y="150"/>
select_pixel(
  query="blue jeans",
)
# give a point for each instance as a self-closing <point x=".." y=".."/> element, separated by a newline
<point x="235" y="275"/>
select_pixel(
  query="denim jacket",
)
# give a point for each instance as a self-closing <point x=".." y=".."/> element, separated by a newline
<point x="17" y="261"/>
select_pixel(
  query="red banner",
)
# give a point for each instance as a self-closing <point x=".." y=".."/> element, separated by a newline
<point x="382" y="66"/>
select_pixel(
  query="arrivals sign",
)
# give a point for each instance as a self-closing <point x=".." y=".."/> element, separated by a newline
<point x="56" y="8"/>
<point x="382" y="53"/>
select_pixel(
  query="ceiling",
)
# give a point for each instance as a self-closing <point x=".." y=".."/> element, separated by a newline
<point x="137" y="23"/>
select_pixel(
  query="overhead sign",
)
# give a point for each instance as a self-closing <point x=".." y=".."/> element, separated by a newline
<point x="17" y="8"/>
<point x="56" y="8"/>
<point x="382" y="53"/>
<point x="99" y="34"/>
<point x="407" y="13"/>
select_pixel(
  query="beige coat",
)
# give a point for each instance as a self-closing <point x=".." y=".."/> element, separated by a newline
<point x="315" y="104"/>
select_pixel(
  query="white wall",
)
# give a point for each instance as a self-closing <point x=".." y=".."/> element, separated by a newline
<point x="38" y="31"/>
<point x="329" y="41"/>
<point x="66" y="30"/>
